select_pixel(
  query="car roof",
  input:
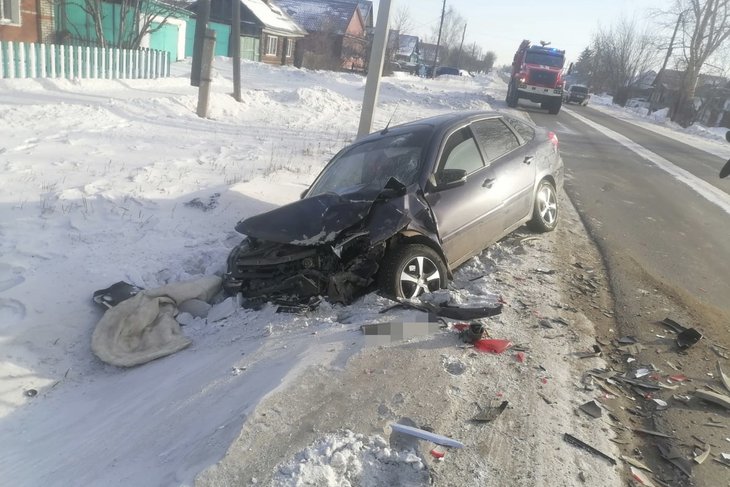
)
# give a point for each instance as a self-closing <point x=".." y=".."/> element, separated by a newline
<point x="437" y="122"/>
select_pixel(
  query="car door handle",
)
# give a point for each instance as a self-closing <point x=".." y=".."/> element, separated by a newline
<point x="528" y="160"/>
<point x="488" y="183"/>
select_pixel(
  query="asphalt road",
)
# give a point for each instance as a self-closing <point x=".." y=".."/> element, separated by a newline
<point x="665" y="239"/>
<point x="639" y="214"/>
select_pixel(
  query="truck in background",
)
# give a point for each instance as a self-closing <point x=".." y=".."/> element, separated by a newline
<point x="537" y="75"/>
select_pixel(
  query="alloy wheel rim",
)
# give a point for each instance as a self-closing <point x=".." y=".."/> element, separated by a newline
<point x="547" y="205"/>
<point x="419" y="275"/>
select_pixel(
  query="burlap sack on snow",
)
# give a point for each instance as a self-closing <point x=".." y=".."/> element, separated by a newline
<point x="143" y="327"/>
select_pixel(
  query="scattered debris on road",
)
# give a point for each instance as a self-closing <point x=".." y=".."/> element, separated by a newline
<point x="426" y="435"/>
<point x="581" y="444"/>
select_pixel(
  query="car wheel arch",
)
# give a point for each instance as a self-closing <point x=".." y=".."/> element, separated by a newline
<point x="412" y="237"/>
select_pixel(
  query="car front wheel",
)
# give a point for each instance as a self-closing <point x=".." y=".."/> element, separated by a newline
<point x="545" y="210"/>
<point x="411" y="270"/>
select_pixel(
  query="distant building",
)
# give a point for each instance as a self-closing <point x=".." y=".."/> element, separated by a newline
<point x="337" y="36"/>
<point x="268" y="34"/>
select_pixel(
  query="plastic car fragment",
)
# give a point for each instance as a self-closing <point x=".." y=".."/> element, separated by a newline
<point x="115" y="294"/>
<point x="585" y="446"/>
<point x="426" y="435"/>
<point x="490" y="413"/>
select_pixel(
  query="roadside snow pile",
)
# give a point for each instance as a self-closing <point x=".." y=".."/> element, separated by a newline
<point x="346" y="459"/>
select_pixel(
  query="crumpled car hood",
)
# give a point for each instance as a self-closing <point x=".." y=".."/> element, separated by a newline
<point x="314" y="220"/>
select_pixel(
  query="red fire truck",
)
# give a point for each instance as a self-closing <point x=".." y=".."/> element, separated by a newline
<point x="537" y="75"/>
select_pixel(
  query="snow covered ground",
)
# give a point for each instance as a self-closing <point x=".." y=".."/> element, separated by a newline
<point x="97" y="182"/>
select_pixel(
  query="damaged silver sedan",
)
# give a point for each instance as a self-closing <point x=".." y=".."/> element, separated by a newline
<point x="400" y="209"/>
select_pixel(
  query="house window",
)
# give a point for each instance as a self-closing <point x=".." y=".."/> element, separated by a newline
<point x="10" y="12"/>
<point x="272" y="45"/>
<point x="290" y="48"/>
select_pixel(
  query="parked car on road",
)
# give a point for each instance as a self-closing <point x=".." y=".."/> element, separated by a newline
<point x="442" y="70"/>
<point x="576" y="94"/>
<point x="401" y="209"/>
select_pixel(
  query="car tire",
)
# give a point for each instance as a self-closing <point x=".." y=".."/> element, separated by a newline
<point x="545" y="209"/>
<point x="512" y="96"/>
<point x="554" y="106"/>
<point x="408" y="270"/>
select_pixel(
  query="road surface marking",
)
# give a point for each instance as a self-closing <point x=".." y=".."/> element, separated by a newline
<point x="703" y="188"/>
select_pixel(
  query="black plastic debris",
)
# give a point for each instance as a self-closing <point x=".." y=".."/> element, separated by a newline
<point x="686" y="337"/>
<point x="627" y="340"/>
<point x="474" y="332"/>
<point x="675" y="457"/>
<point x="595" y="353"/>
<point x="461" y="313"/>
<point x="490" y="413"/>
<point x="652" y="433"/>
<point x="639" y="383"/>
<point x="115" y="294"/>
<point x="30" y="393"/>
<point x="591" y="408"/>
<point x="585" y="446"/>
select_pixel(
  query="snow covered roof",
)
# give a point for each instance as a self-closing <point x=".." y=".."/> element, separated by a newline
<point x="407" y="45"/>
<point x="366" y="10"/>
<point x="274" y="19"/>
<point x="320" y="15"/>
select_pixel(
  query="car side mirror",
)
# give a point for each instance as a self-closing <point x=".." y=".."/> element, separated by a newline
<point x="451" y="178"/>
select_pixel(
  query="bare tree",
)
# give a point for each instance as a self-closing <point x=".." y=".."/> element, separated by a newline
<point x="402" y="21"/>
<point x="489" y="58"/>
<point x="136" y="19"/>
<point x="620" y="53"/>
<point x="451" y="32"/>
<point x="705" y="27"/>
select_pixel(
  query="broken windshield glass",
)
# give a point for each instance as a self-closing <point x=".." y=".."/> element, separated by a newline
<point x="374" y="162"/>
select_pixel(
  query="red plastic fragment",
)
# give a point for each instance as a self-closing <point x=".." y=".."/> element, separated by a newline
<point x="520" y="356"/>
<point x="437" y="454"/>
<point x="543" y="380"/>
<point x="494" y="345"/>
<point x="460" y="326"/>
<point x="678" y="377"/>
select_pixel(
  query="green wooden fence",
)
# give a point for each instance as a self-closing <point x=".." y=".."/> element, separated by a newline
<point x="30" y="60"/>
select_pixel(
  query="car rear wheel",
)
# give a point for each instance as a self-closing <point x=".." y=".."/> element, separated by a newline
<point x="545" y="211"/>
<point x="512" y="95"/>
<point x="411" y="270"/>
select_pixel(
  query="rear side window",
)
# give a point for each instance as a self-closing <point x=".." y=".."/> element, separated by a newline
<point x="526" y="132"/>
<point x="494" y="137"/>
<point x="461" y="152"/>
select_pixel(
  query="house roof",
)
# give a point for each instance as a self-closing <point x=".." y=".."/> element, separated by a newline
<point x="321" y="15"/>
<point x="273" y="18"/>
<point x="366" y="11"/>
<point x="428" y="52"/>
<point x="407" y="45"/>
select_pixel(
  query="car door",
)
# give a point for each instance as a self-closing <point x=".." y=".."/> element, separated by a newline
<point x="511" y="172"/>
<point x="460" y="209"/>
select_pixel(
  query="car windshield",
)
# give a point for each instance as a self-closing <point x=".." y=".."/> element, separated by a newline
<point x="543" y="59"/>
<point x="375" y="162"/>
<point x="579" y="89"/>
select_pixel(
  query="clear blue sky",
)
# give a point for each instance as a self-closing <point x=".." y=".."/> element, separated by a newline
<point x="500" y="25"/>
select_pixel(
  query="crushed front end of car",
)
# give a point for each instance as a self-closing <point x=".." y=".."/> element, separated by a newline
<point x="327" y="245"/>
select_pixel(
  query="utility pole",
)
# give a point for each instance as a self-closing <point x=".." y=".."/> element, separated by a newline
<point x="438" y="41"/>
<point x="458" y="58"/>
<point x="375" y="69"/>
<point x="202" y="14"/>
<point x="664" y="66"/>
<point x="206" y="66"/>
<point x="236" y="39"/>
